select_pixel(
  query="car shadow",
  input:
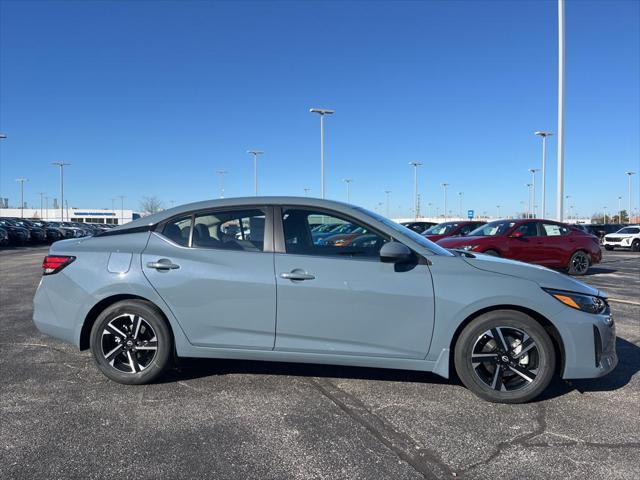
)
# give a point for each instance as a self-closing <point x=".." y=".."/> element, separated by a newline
<point x="599" y="270"/>
<point x="193" y="368"/>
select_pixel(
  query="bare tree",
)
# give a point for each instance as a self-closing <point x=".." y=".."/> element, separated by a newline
<point x="151" y="205"/>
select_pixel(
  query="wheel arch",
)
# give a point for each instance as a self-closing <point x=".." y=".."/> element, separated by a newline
<point x="548" y="326"/>
<point x="92" y="315"/>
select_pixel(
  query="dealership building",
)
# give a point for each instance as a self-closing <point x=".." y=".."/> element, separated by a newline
<point x="84" y="215"/>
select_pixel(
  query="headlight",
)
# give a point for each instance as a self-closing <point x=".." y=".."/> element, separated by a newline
<point x="468" y="247"/>
<point x="579" y="301"/>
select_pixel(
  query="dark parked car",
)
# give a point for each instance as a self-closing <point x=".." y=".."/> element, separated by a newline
<point x="451" y="229"/>
<point x="17" y="235"/>
<point x="69" y="230"/>
<point x="4" y="237"/>
<point x="53" y="233"/>
<point x="544" y="242"/>
<point x="37" y="234"/>
<point x="599" y="229"/>
<point x="418" y="227"/>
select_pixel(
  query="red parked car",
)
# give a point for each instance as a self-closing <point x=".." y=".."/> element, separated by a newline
<point x="544" y="242"/>
<point x="451" y="229"/>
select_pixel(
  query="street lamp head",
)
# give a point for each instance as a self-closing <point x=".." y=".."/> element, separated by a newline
<point x="60" y="164"/>
<point x="543" y="134"/>
<point x="534" y="170"/>
<point x="255" y="152"/>
<point x="347" y="180"/>
<point x="322" y="111"/>
<point x="415" y="164"/>
<point x="445" y="185"/>
<point x="22" y="180"/>
<point x="3" y="135"/>
<point x="629" y="173"/>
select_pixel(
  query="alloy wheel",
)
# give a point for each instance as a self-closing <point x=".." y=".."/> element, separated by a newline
<point x="505" y="359"/>
<point x="580" y="263"/>
<point x="129" y="343"/>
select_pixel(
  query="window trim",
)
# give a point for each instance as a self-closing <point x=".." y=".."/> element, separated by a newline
<point x="268" y="239"/>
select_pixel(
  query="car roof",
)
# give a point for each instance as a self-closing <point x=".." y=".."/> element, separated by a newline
<point x="236" y="202"/>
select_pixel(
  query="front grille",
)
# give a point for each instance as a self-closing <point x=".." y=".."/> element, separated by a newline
<point x="597" y="343"/>
<point x="613" y="239"/>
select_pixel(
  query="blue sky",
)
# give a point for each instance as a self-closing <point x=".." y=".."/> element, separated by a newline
<point x="151" y="98"/>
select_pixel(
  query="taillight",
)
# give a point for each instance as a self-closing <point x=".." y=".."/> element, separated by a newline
<point x="54" y="263"/>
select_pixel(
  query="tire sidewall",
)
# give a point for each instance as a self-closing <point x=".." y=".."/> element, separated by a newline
<point x="505" y="318"/>
<point x="635" y="246"/>
<point x="157" y="322"/>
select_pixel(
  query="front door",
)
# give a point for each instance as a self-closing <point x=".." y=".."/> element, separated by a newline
<point x="524" y="243"/>
<point x="212" y="271"/>
<point x="340" y="299"/>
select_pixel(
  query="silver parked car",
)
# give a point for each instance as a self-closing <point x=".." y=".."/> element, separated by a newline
<point x="243" y="279"/>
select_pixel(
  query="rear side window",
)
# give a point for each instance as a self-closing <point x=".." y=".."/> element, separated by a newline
<point x="554" y="230"/>
<point x="178" y="230"/>
<point x="230" y="230"/>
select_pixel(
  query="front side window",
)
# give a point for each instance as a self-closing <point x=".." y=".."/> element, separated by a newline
<point x="230" y="230"/>
<point x="302" y="236"/>
<point x="440" y="229"/>
<point x="529" y="229"/>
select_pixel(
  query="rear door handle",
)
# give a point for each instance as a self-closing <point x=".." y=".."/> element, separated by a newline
<point x="297" y="276"/>
<point x="163" y="264"/>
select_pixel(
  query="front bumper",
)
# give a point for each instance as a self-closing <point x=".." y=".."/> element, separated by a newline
<point x="589" y="344"/>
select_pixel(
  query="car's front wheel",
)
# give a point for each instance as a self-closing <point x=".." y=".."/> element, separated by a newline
<point x="131" y="342"/>
<point x="505" y="356"/>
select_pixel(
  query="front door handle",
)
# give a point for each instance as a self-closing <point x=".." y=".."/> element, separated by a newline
<point x="297" y="276"/>
<point x="163" y="264"/>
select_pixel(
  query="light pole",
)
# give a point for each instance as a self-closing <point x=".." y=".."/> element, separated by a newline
<point x="619" y="209"/>
<point x="348" y="182"/>
<point x="42" y="194"/>
<point x="121" y="197"/>
<point x="46" y="204"/>
<point x="416" y="207"/>
<point x="61" y="165"/>
<point x="497" y="212"/>
<point x="21" y="182"/>
<point x="387" y="193"/>
<point x="430" y="210"/>
<point x="544" y="136"/>
<point x="460" y="205"/>
<point x="221" y="173"/>
<point x="567" y="197"/>
<point x="629" y="174"/>
<point x="604" y="209"/>
<point x="306" y="191"/>
<point x="322" y="112"/>
<point x="533" y="190"/>
<point x="529" y="204"/>
<point x="560" y="181"/>
<point x="444" y="189"/>
<point x="255" y="154"/>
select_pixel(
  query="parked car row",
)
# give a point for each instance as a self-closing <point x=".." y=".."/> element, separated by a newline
<point x="22" y="231"/>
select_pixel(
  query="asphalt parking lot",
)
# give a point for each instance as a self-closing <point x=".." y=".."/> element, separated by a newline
<point x="61" y="418"/>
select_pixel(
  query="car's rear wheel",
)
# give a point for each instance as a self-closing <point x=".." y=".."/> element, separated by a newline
<point x="579" y="263"/>
<point x="131" y="342"/>
<point x="505" y="356"/>
<point x="493" y="253"/>
<point x="635" y="246"/>
<point x="608" y="247"/>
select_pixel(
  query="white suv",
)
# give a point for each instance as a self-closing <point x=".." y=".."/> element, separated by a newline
<point x="627" y="237"/>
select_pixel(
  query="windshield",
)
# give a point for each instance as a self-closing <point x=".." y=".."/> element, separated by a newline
<point x="407" y="232"/>
<point x="440" y="229"/>
<point x="629" y="230"/>
<point x="492" y="229"/>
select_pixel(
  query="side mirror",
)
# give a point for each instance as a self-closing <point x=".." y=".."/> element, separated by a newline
<point x="395" y="252"/>
<point x="517" y="235"/>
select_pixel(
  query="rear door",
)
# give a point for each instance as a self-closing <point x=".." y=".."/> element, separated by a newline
<point x="336" y="299"/>
<point x="214" y="269"/>
<point x="558" y="245"/>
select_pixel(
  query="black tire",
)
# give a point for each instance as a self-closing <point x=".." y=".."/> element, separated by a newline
<point x="492" y="253"/>
<point x="635" y="246"/>
<point x="132" y="326"/>
<point x="579" y="263"/>
<point x="608" y="247"/>
<point x="494" y="376"/>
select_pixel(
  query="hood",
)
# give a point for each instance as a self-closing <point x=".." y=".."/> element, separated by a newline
<point x="620" y="235"/>
<point x="543" y="276"/>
